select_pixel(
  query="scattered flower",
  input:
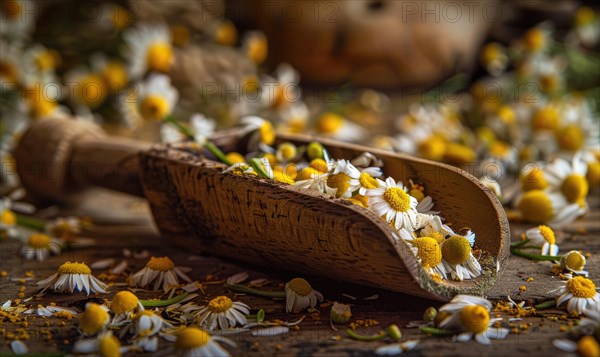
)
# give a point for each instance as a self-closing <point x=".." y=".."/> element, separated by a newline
<point x="71" y="277"/>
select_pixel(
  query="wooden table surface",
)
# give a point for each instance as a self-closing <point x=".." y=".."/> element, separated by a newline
<point x="125" y="222"/>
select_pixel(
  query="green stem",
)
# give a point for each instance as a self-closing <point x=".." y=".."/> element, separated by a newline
<point x="545" y="305"/>
<point x="535" y="256"/>
<point x="30" y="222"/>
<point x="355" y="336"/>
<point x="208" y="145"/>
<point x="518" y="244"/>
<point x="161" y="303"/>
<point x="182" y="129"/>
<point x="436" y="331"/>
<point x="259" y="316"/>
<point x="256" y="165"/>
<point x="247" y="290"/>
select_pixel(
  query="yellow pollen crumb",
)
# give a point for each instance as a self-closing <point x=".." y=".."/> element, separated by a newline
<point x="522" y="288"/>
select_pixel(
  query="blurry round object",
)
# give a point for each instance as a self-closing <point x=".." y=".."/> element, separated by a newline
<point x="377" y="43"/>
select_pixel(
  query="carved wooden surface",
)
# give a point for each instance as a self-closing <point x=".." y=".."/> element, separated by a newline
<point x="125" y="222"/>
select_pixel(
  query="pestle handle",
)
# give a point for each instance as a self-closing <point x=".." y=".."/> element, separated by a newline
<point x="58" y="157"/>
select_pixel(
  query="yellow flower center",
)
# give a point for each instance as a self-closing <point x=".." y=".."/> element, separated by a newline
<point x="180" y="35"/>
<point x="534" y="180"/>
<point x="588" y="347"/>
<point x="314" y="151"/>
<point x="74" y="268"/>
<point x="545" y="119"/>
<point x="289" y="170"/>
<point x="11" y="8"/>
<point x="499" y="149"/>
<point x="486" y="135"/>
<point x="226" y="34"/>
<point x="124" y="301"/>
<point x="38" y="241"/>
<point x="456" y="250"/>
<point x="300" y="286"/>
<point x="120" y="17"/>
<point x="8" y="217"/>
<point x="507" y="114"/>
<point x="439" y="237"/>
<point x="115" y="75"/>
<point x="584" y="16"/>
<point x="288" y="151"/>
<point x="339" y="181"/>
<point x="575" y="261"/>
<point x="154" y="107"/>
<point x="235" y="157"/>
<point x="550" y="83"/>
<point x="220" y="304"/>
<point x="367" y="181"/>
<point x="267" y="133"/>
<point x="39" y="104"/>
<point x="280" y="176"/>
<point x="356" y="202"/>
<point x="270" y="158"/>
<point x="257" y="49"/>
<point x="91" y="91"/>
<point x="474" y="319"/>
<point x="432" y="148"/>
<point x="250" y="84"/>
<point x="94" y="318"/>
<point x="535" y="206"/>
<point x="160" y="263"/>
<point x="45" y="61"/>
<point x="548" y="234"/>
<point x="570" y="138"/>
<point x="490" y="53"/>
<point x="417" y="193"/>
<point x="9" y="72"/>
<point x="307" y="173"/>
<point x="329" y="123"/>
<point x="190" y="338"/>
<point x="159" y="57"/>
<point x="397" y="199"/>
<point x="534" y="40"/>
<point x="574" y="187"/>
<point x="319" y="165"/>
<point x="109" y="346"/>
<point x="459" y="154"/>
<point x="581" y="287"/>
<point x="593" y="174"/>
<point x="429" y="251"/>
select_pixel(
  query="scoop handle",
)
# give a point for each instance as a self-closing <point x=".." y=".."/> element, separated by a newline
<point x="58" y="157"/>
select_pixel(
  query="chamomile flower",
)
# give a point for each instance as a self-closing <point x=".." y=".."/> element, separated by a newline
<point x="113" y="72"/>
<point x="50" y="310"/>
<point x="543" y="237"/>
<point x="580" y="294"/>
<point x="458" y="258"/>
<point x="148" y="49"/>
<point x="299" y="295"/>
<point x="105" y="345"/>
<point x="8" y="219"/>
<point x="429" y="254"/>
<point x="294" y="119"/>
<point x="276" y="173"/>
<point x="159" y="273"/>
<point x="255" y="46"/>
<point x="222" y="313"/>
<point x="154" y="100"/>
<point x="88" y="90"/>
<point x="66" y="228"/>
<point x="313" y="179"/>
<point x="123" y="305"/>
<point x="470" y="314"/>
<point x="335" y="126"/>
<point x="146" y="326"/>
<point x="263" y="132"/>
<point x="343" y="177"/>
<point x="494" y="58"/>
<point x="39" y="246"/>
<point x="193" y="342"/>
<point x="569" y="179"/>
<point x="18" y="18"/>
<point x="282" y="91"/>
<point x="11" y="68"/>
<point x="437" y="230"/>
<point x="94" y="319"/>
<point x="547" y="207"/>
<point x="391" y="202"/>
<point x="71" y="277"/>
<point x="587" y="346"/>
<point x="574" y="262"/>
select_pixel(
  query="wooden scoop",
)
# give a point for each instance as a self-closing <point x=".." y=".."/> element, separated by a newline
<point x="264" y="222"/>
